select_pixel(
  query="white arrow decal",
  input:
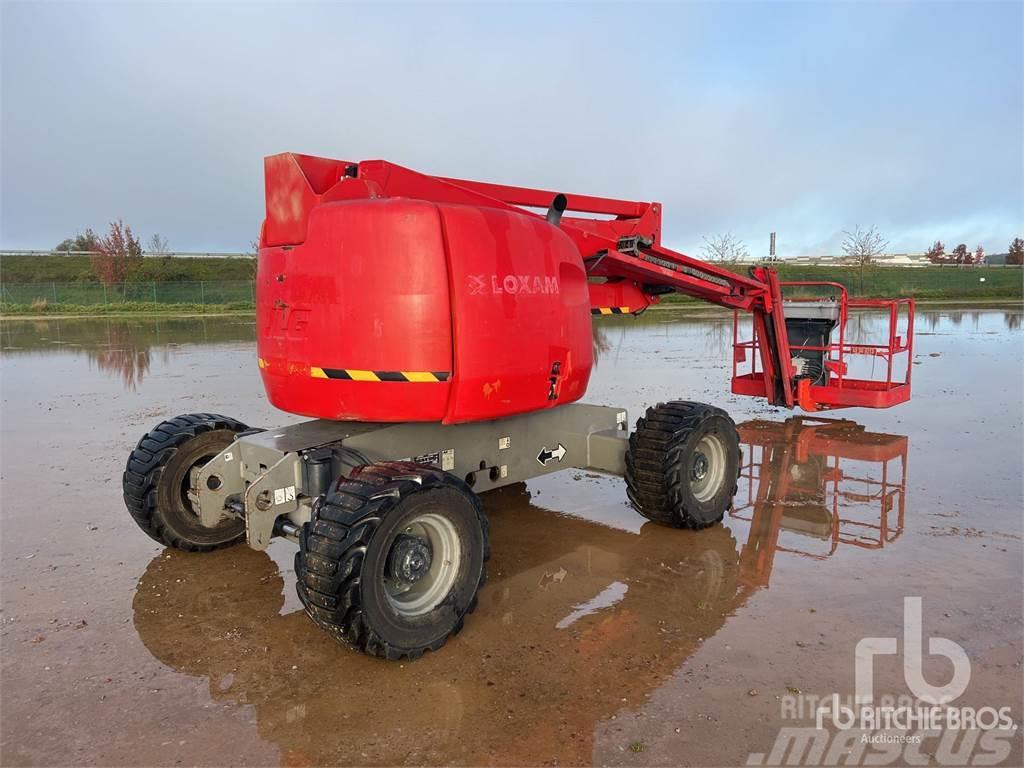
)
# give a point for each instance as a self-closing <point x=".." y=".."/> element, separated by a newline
<point x="545" y="455"/>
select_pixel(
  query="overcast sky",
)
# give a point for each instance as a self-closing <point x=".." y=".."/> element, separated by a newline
<point x="803" y="118"/>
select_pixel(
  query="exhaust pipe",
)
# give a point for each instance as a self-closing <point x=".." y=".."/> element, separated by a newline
<point x="554" y="216"/>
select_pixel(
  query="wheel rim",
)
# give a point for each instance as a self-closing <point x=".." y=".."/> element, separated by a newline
<point x="707" y="467"/>
<point x="422" y="565"/>
<point x="179" y="513"/>
<point x="186" y="482"/>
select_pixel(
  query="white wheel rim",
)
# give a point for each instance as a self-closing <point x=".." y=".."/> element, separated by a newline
<point x="707" y="467"/>
<point x="433" y="587"/>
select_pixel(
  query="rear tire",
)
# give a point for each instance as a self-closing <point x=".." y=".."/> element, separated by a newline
<point x="682" y="464"/>
<point x="393" y="558"/>
<point x="156" y="480"/>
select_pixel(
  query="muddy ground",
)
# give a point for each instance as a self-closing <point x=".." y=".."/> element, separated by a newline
<point x="598" y="639"/>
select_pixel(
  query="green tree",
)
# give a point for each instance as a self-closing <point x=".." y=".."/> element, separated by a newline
<point x="1016" y="252"/>
<point x="83" y="242"/>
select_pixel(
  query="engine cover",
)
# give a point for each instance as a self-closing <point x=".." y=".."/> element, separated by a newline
<point x="398" y="309"/>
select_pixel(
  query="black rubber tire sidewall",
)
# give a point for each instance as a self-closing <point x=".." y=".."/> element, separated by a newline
<point x="405" y="632"/>
<point x="709" y="511"/>
<point x="176" y="517"/>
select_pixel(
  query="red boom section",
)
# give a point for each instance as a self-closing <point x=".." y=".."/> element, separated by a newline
<point x="520" y="287"/>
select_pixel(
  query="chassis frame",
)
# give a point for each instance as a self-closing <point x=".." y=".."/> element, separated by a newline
<point x="271" y="478"/>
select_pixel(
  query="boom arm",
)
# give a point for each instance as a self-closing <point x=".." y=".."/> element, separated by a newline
<point x="627" y="253"/>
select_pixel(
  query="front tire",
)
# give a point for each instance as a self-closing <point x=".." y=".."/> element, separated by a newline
<point x="393" y="558"/>
<point x="155" y="481"/>
<point x="682" y="464"/>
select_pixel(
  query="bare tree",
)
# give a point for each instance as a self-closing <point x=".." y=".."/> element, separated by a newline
<point x="979" y="255"/>
<point x="961" y="255"/>
<point x="864" y="245"/>
<point x="725" y="247"/>
<point x="254" y="259"/>
<point x="158" y="246"/>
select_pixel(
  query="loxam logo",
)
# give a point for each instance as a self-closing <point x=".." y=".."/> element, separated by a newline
<point x="480" y="285"/>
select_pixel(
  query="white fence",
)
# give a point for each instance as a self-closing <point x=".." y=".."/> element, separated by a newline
<point x="174" y="254"/>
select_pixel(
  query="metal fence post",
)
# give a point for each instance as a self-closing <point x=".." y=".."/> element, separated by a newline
<point x="105" y="294"/>
<point x="202" y="293"/>
<point x="53" y="287"/>
<point x="154" y="291"/>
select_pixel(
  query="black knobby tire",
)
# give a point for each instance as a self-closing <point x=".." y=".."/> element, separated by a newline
<point x="343" y="557"/>
<point x="663" y="459"/>
<point x="156" y="479"/>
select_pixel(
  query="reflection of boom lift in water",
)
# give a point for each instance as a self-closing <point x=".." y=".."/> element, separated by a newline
<point x="794" y="481"/>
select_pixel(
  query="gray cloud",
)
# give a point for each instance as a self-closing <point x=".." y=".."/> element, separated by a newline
<point x="807" y="120"/>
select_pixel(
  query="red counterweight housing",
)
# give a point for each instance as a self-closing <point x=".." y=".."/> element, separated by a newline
<point x="393" y="309"/>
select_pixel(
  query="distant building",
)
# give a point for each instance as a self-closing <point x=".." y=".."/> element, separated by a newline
<point x="883" y="260"/>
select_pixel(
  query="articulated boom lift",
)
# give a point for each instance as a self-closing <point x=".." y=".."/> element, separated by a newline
<point x="439" y="332"/>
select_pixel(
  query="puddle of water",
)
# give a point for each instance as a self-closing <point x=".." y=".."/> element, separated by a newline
<point x="595" y="630"/>
<point x="606" y="598"/>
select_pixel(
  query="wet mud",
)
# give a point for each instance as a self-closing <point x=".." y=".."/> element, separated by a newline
<point x="599" y="638"/>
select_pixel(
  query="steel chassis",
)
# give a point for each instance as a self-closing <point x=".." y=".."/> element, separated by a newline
<point x="272" y="477"/>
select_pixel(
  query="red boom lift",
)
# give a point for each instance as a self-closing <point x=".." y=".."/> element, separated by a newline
<point x="439" y="333"/>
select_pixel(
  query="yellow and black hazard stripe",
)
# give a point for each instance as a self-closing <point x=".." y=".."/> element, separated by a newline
<point x="609" y="310"/>
<point x="350" y="374"/>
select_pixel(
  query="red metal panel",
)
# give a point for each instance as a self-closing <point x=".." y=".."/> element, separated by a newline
<point x="541" y="198"/>
<point x="367" y="291"/>
<point x="521" y="314"/>
<point x="623" y="295"/>
<point x="294" y="184"/>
